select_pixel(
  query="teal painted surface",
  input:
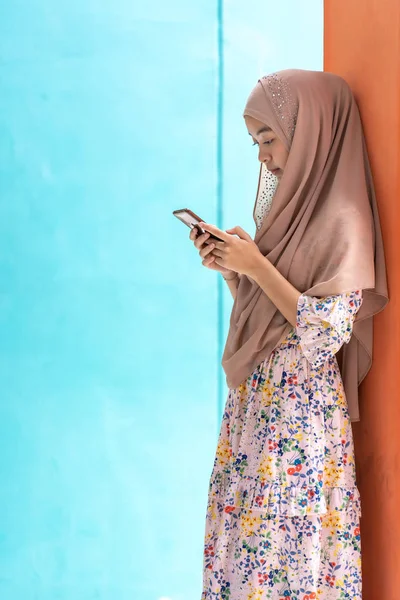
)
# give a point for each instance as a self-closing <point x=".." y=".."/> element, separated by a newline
<point x="107" y="346"/>
<point x="109" y="356"/>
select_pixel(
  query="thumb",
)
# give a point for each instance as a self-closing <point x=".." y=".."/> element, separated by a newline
<point x="240" y="233"/>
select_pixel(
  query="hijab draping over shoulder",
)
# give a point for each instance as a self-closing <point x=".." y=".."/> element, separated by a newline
<point x="322" y="232"/>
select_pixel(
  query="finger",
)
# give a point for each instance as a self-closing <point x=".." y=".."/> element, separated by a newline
<point x="240" y="233"/>
<point x="244" y="235"/>
<point x="207" y="250"/>
<point x="221" y="246"/>
<point x="220" y="262"/>
<point x="216" y="231"/>
<point x="208" y="261"/>
<point x="201" y="239"/>
<point x="218" y="254"/>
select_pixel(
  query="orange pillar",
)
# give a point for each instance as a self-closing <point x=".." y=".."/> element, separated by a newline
<point x="362" y="44"/>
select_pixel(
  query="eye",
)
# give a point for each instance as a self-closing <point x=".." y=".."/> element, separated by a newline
<point x="268" y="142"/>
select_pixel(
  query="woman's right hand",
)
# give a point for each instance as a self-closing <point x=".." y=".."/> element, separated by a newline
<point x="205" y="251"/>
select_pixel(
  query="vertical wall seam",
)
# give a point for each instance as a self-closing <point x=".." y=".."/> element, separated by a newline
<point x="220" y="215"/>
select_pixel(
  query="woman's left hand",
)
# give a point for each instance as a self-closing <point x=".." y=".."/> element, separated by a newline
<point x="238" y="251"/>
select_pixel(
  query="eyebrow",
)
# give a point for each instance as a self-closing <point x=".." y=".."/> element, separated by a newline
<point x="262" y="130"/>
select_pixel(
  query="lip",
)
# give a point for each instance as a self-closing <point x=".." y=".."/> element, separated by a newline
<point x="274" y="171"/>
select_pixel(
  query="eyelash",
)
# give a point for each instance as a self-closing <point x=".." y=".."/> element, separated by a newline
<point x="269" y="142"/>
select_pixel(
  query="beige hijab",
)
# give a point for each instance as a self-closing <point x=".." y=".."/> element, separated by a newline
<point x="322" y="232"/>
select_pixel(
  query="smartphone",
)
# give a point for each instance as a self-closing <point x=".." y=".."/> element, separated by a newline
<point x="192" y="220"/>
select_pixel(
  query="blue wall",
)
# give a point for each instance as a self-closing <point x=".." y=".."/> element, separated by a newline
<point x="109" y="353"/>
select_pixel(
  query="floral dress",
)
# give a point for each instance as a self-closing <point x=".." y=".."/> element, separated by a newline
<point x="283" y="507"/>
<point x="283" y="513"/>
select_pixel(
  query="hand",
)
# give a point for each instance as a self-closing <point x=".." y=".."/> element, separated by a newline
<point x="205" y="251"/>
<point x="238" y="251"/>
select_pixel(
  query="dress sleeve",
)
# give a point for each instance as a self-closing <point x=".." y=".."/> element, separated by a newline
<point x="325" y="324"/>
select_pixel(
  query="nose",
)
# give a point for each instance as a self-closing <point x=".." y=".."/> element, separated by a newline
<point x="264" y="156"/>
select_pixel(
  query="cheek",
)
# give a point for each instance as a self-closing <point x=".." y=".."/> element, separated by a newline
<point x="283" y="157"/>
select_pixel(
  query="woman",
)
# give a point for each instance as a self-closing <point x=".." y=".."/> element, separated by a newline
<point x="283" y="516"/>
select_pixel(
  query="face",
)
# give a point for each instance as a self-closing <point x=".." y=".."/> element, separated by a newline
<point x="271" y="151"/>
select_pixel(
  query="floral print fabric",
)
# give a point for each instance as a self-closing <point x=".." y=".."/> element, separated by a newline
<point x="283" y="507"/>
